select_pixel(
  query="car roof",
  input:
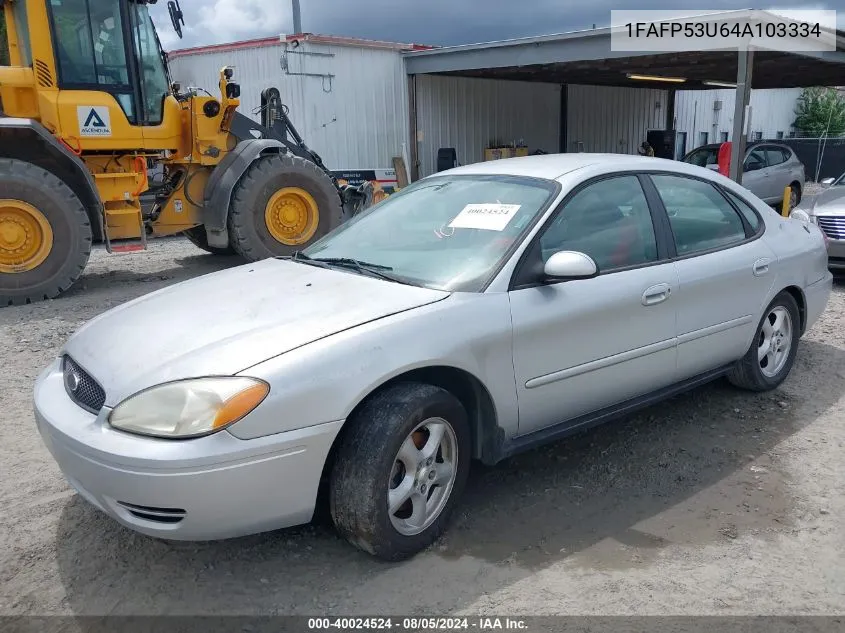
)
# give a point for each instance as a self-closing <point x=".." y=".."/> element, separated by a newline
<point x="748" y="145"/>
<point x="549" y="166"/>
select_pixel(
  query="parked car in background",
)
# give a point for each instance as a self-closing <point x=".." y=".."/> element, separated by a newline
<point x="827" y="210"/>
<point x="474" y="314"/>
<point x="768" y="169"/>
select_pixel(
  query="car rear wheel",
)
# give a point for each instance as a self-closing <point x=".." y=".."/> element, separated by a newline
<point x="772" y="353"/>
<point x="401" y="467"/>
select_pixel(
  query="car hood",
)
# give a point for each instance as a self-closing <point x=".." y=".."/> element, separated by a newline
<point x="228" y="321"/>
<point x="830" y="201"/>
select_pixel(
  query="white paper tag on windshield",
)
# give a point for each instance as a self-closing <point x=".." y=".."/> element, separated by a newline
<point x="491" y="217"/>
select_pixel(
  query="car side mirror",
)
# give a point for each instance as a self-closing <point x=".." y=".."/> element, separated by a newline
<point x="570" y="265"/>
<point x="826" y="182"/>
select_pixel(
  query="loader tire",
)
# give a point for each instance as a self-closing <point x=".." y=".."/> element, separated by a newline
<point x="45" y="234"/>
<point x="281" y="205"/>
<point x="199" y="238"/>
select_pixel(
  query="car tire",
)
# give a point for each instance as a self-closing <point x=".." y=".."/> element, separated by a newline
<point x="771" y="355"/>
<point x="44" y="205"/>
<point x="390" y="444"/>
<point x="255" y="200"/>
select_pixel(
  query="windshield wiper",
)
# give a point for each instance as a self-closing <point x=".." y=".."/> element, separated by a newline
<point x="302" y="258"/>
<point x="366" y="268"/>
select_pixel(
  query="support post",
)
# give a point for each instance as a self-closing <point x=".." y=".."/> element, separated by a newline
<point x="564" y="116"/>
<point x="414" y="167"/>
<point x="670" y="109"/>
<point x="745" y="64"/>
<point x="297" y="17"/>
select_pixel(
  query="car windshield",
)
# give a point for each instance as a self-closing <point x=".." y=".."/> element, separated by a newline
<point x="444" y="232"/>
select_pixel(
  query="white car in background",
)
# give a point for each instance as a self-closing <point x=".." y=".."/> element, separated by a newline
<point x="827" y="210"/>
<point x="475" y="314"/>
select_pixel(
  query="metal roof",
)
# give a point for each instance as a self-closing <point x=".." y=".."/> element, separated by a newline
<point x="298" y="37"/>
<point x="585" y="57"/>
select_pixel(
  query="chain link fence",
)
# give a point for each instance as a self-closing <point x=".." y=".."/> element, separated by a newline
<point x="823" y="157"/>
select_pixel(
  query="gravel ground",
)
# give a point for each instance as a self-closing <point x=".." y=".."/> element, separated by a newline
<point x="716" y="502"/>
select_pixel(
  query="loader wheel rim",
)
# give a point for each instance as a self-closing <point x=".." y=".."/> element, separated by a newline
<point x="292" y="216"/>
<point x="26" y="237"/>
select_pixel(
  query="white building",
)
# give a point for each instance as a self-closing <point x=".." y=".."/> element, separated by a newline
<point x="706" y="116"/>
<point x="348" y="98"/>
<point x="360" y="103"/>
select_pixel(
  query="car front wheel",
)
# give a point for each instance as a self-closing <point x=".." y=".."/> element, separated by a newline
<point x="768" y="361"/>
<point x="401" y="466"/>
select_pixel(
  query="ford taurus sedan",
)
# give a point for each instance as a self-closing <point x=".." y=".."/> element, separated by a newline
<point x="479" y="312"/>
<point x="827" y="210"/>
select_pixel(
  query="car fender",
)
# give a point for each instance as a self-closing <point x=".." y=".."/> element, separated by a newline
<point x="326" y="380"/>
<point x="801" y="254"/>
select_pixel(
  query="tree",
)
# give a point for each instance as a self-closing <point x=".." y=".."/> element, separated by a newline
<point x="4" y="45"/>
<point x="820" y="111"/>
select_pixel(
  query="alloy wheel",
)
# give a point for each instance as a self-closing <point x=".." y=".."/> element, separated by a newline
<point x="422" y="476"/>
<point x="775" y="341"/>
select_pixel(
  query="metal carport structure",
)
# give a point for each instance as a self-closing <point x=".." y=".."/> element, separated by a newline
<point x="587" y="58"/>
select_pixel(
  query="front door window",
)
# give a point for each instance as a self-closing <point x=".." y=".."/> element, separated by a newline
<point x="154" y="83"/>
<point x="90" y="49"/>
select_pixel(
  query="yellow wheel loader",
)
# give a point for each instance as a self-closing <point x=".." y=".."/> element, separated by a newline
<point x="88" y="110"/>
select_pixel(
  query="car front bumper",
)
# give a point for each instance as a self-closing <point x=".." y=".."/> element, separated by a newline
<point x="836" y="254"/>
<point x="207" y="488"/>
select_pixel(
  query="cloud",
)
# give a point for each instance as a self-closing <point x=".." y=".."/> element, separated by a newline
<point x="216" y="21"/>
<point x="428" y="22"/>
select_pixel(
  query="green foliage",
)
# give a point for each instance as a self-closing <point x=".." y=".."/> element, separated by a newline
<point x="820" y="110"/>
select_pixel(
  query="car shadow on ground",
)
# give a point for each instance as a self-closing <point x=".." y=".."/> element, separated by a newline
<point x="700" y="469"/>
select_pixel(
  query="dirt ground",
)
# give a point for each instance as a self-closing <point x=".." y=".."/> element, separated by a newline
<point x="716" y="502"/>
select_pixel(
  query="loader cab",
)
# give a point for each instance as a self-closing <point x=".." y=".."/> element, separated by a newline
<point x="111" y="46"/>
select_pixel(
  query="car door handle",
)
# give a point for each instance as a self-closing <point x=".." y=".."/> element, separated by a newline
<point x="761" y="267"/>
<point x="656" y="294"/>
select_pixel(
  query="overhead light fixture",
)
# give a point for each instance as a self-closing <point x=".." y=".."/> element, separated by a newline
<point x="720" y="84"/>
<point x="676" y="80"/>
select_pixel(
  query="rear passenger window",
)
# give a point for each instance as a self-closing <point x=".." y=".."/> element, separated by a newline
<point x="774" y="156"/>
<point x="700" y="217"/>
<point x="746" y="210"/>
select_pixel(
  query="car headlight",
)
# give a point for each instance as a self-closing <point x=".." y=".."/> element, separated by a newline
<point x="189" y="408"/>
<point x="802" y="215"/>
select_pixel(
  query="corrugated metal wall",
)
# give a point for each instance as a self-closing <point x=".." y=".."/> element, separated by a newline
<point x="711" y="111"/>
<point x="356" y="120"/>
<point x="469" y="114"/>
<point x="608" y="119"/>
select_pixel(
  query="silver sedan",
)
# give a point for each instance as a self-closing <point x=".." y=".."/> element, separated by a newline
<point x="827" y="210"/>
<point x="475" y="314"/>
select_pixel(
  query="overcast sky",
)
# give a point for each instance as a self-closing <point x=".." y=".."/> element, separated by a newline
<point x="418" y="21"/>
